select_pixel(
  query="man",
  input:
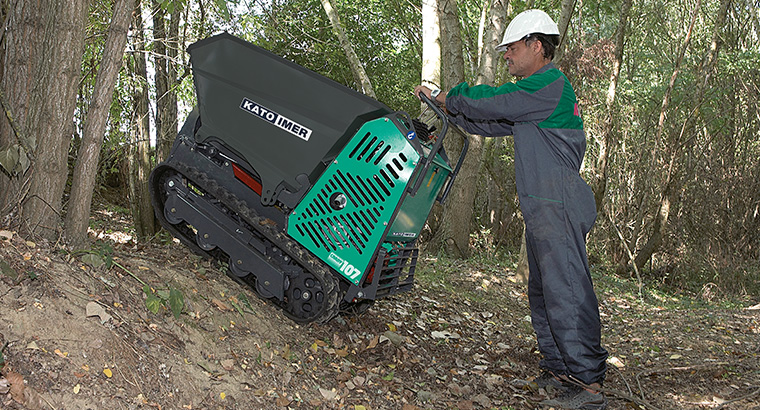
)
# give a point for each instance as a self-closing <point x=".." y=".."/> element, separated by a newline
<point x="541" y="112"/>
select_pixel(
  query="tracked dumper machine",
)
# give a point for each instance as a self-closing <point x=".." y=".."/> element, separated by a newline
<point x="313" y="193"/>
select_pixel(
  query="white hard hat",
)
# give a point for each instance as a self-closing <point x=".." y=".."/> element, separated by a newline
<point x="528" y="22"/>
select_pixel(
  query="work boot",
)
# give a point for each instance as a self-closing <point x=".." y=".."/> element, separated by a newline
<point x="546" y="380"/>
<point x="577" y="397"/>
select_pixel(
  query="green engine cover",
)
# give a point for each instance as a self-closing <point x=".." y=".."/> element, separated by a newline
<point x="414" y="210"/>
<point x="347" y="212"/>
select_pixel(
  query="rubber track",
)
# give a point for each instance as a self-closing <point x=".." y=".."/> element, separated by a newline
<point x="310" y="264"/>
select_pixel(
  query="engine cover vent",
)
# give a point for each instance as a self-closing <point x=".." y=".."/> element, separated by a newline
<point x="344" y="217"/>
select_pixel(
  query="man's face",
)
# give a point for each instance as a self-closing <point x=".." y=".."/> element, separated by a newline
<point x="521" y="58"/>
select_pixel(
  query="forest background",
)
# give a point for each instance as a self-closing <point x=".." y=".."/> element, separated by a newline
<point x="93" y="93"/>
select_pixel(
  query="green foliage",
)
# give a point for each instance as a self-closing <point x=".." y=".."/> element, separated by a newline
<point x="170" y="298"/>
<point x="381" y="32"/>
<point x="711" y="235"/>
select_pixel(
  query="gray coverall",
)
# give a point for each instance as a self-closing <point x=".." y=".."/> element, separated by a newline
<point x="541" y="111"/>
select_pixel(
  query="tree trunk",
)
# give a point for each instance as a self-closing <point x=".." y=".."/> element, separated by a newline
<point x="172" y="51"/>
<point x="567" y="7"/>
<point x="430" y="76"/>
<point x="164" y="134"/>
<point x="431" y="44"/>
<point x="139" y="160"/>
<point x="496" y="175"/>
<point x="85" y="171"/>
<point x="458" y="212"/>
<point x="489" y="57"/>
<point x="501" y="190"/>
<point x="667" y="196"/>
<point x="608" y="130"/>
<point x="360" y="76"/>
<point x="711" y="58"/>
<point x="42" y="53"/>
<point x="482" y="25"/>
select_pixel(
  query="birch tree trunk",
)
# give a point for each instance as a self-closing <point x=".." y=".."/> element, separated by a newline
<point x="357" y="68"/>
<point x="431" y="44"/>
<point x="85" y="171"/>
<point x="430" y="76"/>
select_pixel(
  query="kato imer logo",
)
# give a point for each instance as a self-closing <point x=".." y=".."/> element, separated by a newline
<point x="276" y="119"/>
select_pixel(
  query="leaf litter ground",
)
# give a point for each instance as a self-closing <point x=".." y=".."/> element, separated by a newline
<point x="76" y="336"/>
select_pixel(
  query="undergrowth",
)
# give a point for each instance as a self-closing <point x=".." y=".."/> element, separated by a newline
<point x="470" y="278"/>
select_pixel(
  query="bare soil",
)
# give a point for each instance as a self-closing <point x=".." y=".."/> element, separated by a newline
<point x="456" y="342"/>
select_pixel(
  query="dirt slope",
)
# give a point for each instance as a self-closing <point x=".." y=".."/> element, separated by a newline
<point x="454" y="343"/>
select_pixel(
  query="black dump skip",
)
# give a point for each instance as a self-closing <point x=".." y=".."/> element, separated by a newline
<point x="284" y="120"/>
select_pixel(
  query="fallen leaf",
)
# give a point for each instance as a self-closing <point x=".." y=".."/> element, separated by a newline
<point x="61" y="354"/>
<point x="228" y="364"/>
<point x="373" y="343"/>
<point x="220" y="305"/>
<point x="93" y="260"/>
<point x="465" y="405"/>
<point x="395" y="338"/>
<point x="77" y="388"/>
<point x="283" y="401"/>
<point x="108" y="372"/>
<point x="483" y="400"/>
<point x="328" y="394"/>
<point x="424" y="396"/>
<point x="16" y="382"/>
<point x="445" y="335"/>
<point x="616" y="362"/>
<point x="94" y="309"/>
<point x="222" y="395"/>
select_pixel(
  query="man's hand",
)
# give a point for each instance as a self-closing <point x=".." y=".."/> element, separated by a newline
<point x="439" y="99"/>
<point x="422" y="89"/>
